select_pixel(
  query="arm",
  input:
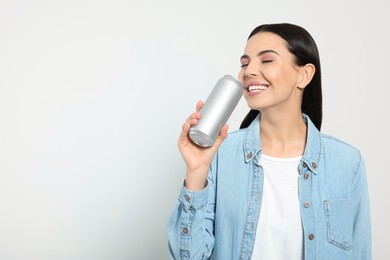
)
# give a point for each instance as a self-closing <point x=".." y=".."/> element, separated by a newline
<point x="361" y="247"/>
<point x="191" y="226"/>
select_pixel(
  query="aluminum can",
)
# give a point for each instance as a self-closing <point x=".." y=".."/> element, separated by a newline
<point x="216" y="110"/>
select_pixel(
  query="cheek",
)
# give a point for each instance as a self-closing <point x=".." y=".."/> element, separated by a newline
<point x="248" y="101"/>
<point x="278" y="75"/>
<point x="272" y="74"/>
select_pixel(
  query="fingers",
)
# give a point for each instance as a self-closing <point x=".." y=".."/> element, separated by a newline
<point x="185" y="130"/>
<point x="194" y="117"/>
<point x="191" y="120"/>
<point x="199" y="105"/>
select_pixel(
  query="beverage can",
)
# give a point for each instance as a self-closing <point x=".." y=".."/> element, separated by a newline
<point x="216" y="110"/>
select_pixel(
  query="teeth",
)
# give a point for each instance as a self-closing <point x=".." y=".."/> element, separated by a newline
<point x="257" y="88"/>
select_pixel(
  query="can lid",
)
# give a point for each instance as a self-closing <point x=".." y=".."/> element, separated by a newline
<point x="200" y="138"/>
<point x="231" y="78"/>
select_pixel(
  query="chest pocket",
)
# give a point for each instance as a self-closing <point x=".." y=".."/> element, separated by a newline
<point x="339" y="218"/>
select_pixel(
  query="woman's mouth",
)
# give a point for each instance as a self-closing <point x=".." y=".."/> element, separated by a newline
<point x="256" y="88"/>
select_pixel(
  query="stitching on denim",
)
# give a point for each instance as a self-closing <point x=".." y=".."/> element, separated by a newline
<point x="328" y="229"/>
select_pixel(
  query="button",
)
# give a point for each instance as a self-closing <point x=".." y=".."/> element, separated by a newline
<point x="250" y="226"/>
<point x="257" y="196"/>
<point x="185" y="231"/>
<point x="187" y="198"/>
<point x="249" y="155"/>
<point x="306" y="176"/>
<point x="304" y="165"/>
<point x="314" y="165"/>
<point x="311" y="236"/>
<point x="306" y="204"/>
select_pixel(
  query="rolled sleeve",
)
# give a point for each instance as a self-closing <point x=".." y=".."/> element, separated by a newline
<point x="194" y="199"/>
<point x="188" y="233"/>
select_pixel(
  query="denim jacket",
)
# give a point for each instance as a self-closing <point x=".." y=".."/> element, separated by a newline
<point x="219" y="222"/>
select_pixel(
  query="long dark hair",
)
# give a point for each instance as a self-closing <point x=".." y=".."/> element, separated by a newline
<point x="303" y="47"/>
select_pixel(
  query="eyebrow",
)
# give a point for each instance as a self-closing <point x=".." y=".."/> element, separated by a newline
<point x="245" y="56"/>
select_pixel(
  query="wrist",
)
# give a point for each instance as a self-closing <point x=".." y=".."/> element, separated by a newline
<point x="195" y="181"/>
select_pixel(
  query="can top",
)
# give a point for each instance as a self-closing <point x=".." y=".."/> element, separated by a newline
<point x="230" y="77"/>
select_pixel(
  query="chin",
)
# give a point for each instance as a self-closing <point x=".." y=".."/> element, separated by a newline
<point x="256" y="105"/>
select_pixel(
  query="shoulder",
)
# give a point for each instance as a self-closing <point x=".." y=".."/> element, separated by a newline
<point x="234" y="140"/>
<point x="336" y="143"/>
<point x="339" y="151"/>
<point x="236" y="136"/>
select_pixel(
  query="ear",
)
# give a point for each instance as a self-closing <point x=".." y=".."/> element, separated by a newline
<point x="306" y="75"/>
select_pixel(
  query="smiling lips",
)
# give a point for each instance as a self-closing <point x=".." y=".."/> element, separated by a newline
<point x="256" y="88"/>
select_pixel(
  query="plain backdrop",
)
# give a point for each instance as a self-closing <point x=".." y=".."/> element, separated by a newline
<point x="93" y="95"/>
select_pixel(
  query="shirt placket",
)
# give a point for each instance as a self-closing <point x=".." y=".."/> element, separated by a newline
<point x="253" y="209"/>
<point x="307" y="212"/>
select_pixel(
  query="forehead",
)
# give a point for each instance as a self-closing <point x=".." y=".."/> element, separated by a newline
<point x="265" y="41"/>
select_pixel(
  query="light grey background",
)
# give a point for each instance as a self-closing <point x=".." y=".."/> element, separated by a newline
<point x="93" y="95"/>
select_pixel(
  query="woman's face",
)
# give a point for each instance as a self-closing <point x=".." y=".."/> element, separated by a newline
<point x="269" y="74"/>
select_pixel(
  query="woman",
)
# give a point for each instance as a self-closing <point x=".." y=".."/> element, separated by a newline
<point x="277" y="188"/>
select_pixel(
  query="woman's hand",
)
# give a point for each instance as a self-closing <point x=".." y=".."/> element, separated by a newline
<point x="197" y="159"/>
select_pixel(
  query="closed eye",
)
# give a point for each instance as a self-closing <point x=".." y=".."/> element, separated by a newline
<point x="244" y="65"/>
<point x="267" y="61"/>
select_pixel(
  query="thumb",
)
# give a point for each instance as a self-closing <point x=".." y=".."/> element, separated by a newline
<point x="222" y="135"/>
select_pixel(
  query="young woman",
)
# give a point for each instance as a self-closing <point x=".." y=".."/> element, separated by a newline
<point x="277" y="188"/>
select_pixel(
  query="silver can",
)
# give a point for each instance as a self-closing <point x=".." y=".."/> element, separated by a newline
<point x="216" y="110"/>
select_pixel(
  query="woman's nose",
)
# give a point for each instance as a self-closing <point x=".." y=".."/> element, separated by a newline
<point x="252" y="70"/>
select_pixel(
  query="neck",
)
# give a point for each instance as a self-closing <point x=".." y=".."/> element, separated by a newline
<point x="283" y="134"/>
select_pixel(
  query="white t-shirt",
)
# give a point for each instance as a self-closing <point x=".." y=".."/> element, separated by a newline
<point x="279" y="234"/>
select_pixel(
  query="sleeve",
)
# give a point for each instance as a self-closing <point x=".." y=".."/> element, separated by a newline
<point x="361" y="247"/>
<point x="191" y="225"/>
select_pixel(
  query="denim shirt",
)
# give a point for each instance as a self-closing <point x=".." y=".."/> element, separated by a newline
<point x="219" y="222"/>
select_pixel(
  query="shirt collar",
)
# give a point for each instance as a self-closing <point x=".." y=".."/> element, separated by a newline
<point x="252" y="144"/>
<point x="311" y="156"/>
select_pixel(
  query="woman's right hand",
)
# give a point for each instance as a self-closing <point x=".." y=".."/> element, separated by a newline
<point x="197" y="159"/>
